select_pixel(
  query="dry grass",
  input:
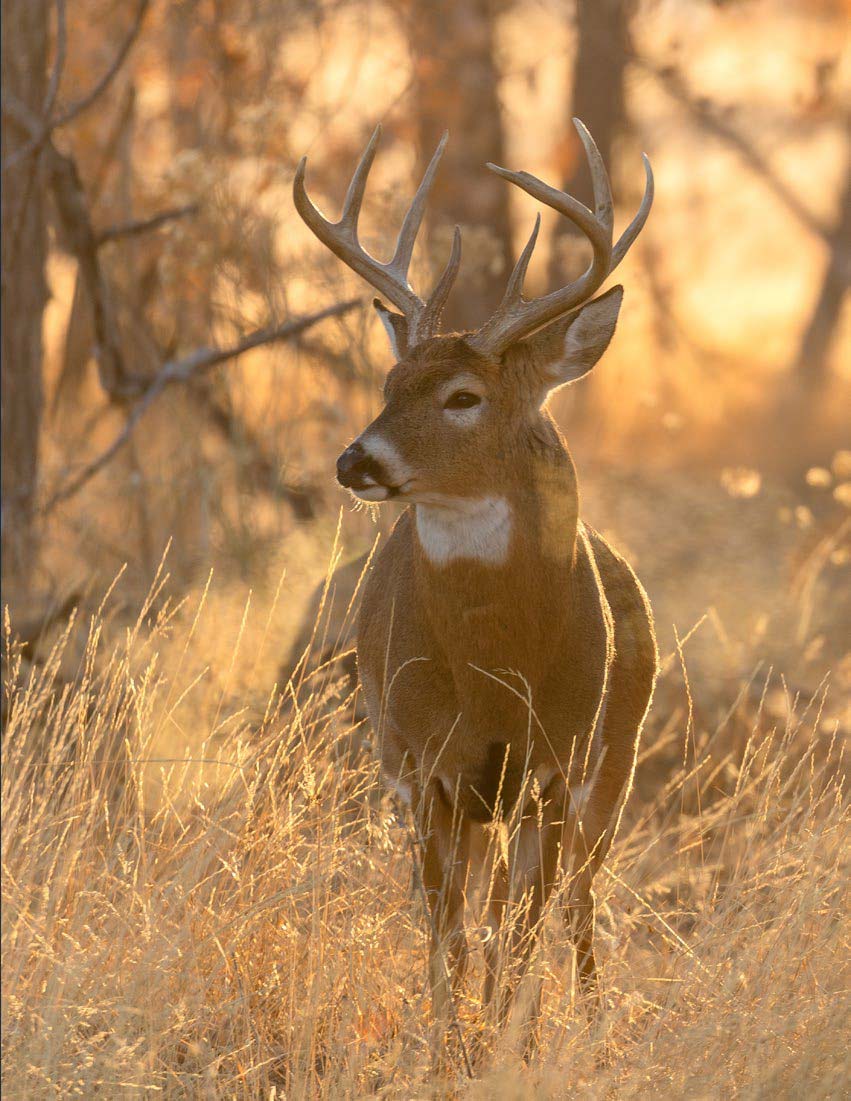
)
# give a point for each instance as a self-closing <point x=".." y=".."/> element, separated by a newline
<point x="201" y="900"/>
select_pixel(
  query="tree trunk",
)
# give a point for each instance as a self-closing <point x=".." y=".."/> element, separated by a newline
<point x="811" y="360"/>
<point x="597" y="98"/>
<point x="455" y="75"/>
<point x="24" y="290"/>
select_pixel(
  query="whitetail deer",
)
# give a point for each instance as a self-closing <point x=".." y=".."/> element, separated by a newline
<point x="506" y="652"/>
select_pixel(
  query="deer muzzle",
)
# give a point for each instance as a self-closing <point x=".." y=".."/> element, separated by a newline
<point x="360" y="472"/>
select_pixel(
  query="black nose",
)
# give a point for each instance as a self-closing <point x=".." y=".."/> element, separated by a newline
<point x="352" y="465"/>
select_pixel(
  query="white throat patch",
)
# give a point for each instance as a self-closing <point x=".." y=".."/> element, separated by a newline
<point x="462" y="527"/>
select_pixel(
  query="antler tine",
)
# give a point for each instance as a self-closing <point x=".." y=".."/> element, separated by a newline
<point x="514" y="290"/>
<point x="390" y="279"/>
<point x="637" y="224"/>
<point x="416" y="211"/>
<point x="430" y="318"/>
<point x="604" y="208"/>
<point x="341" y="237"/>
<point x="357" y="188"/>
<point x="565" y="204"/>
<point x="513" y="296"/>
<point x="515" y="317"/>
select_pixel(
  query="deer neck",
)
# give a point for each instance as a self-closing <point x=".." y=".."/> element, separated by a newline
<point x="530" y="516"/>
<point x="494" y="570"/>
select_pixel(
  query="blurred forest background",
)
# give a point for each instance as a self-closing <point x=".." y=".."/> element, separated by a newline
<point x="148" y="153"/>
<point x="181" y="364"/>
<point x="149" y="235"/>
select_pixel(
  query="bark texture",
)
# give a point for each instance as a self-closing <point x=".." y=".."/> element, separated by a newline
<point x="597" y="98"/>
<point x="456" y="89"/>
<point x="811" y="361"/>
<point x="24" y="290"/>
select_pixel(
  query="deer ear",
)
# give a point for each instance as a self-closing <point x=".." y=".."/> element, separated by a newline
<point x="396" y="326"/>
<point x="569" y="348"/>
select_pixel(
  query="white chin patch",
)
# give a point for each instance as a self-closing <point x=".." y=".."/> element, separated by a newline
<point x="372" y="493"/>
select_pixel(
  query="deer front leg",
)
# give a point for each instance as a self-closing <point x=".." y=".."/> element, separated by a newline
<point x="497" y="897"/>
<point x="444" y="838"/>
<point x="533" y="868"/>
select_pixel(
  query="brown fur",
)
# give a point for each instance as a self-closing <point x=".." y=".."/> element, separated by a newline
<point x="481" y="677"/>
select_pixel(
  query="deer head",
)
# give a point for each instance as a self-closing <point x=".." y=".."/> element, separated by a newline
<point x="456" y="404"/>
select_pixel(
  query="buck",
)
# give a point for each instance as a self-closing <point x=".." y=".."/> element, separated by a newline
<point x="506" y="652"/>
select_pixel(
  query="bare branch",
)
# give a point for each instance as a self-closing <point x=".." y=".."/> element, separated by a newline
<point x="181" y="371"/>
<point x="23" y="116"/>
<point x="138" y="226"/>
<point x="702" y="113"/>
<point x="59" y="61"/>
<point x="89" y="98"/>
<point x="205" y="358"/>
<point x="80" y="239"/>
<point x="97" y="174"/>
<point x="43" y="128"/>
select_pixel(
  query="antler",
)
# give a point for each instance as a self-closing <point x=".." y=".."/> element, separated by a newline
<point x="390" y="279"/>
<point x="515" y="317"/>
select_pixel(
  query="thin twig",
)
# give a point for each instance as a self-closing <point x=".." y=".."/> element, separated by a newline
<point x="59" y="61"/>
<point x="80" y="240"/>
<point x="23" y="115"/>
<point x="137" y="226"/>
<point x="89" y="98"/>
<point x="181" y="371"/>
<point x="47" y="125"/>
<point x="106" y="154"/>
<point x="702" y="113"/>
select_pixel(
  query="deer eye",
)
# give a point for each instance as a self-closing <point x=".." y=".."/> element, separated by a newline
<point x="462" y="399"/>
